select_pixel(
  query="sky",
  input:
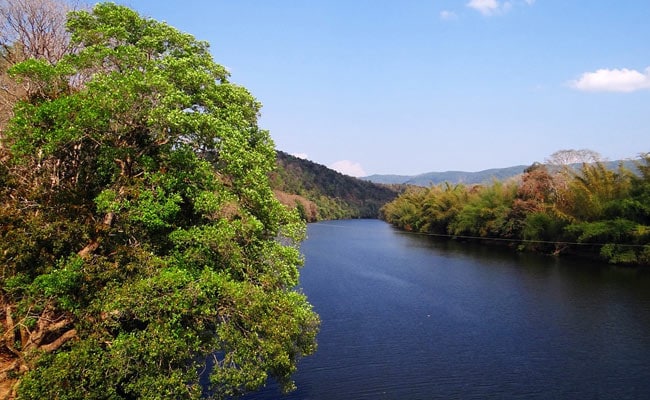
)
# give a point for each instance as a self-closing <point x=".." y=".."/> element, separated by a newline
<point x="414" y="86"/>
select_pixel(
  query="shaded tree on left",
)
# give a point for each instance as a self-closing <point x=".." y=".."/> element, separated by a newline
<point x="139" y="235"/>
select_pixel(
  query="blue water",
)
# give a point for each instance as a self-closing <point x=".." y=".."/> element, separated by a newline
<point x="409" y="317"/>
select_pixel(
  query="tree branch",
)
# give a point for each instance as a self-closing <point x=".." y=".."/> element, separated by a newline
<point x="50" y="347"/>
<point x="10" y="335"/>
<point x="90" y="247"/>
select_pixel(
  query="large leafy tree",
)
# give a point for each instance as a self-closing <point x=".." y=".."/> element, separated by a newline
<point x="141" y="247"/>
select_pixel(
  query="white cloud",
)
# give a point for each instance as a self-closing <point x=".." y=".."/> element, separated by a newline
<point x="348" y="167"/>
<point x="300" y="155"/>
<point x="496" y="7"/>
<point x="613" y="80"/>
<point x="448" y="15"/>
<point x="485" y="7"/>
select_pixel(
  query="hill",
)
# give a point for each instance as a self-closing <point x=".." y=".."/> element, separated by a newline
<point x="322" y="193"/>
<point x="434" y="178"/>
<point x="470" y="178"/>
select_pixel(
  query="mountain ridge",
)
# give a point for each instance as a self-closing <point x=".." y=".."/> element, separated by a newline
<point x="434" y="178"/>
<point x="470" y="178"/>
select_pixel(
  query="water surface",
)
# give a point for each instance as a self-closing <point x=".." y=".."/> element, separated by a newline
<point x="410" y="317"/>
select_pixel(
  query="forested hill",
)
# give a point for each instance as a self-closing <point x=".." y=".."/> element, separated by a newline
<point x="469" y="178"/>
<point x="322" y="193"/>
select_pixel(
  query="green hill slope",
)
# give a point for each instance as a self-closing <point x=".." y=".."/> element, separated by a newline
<point x="322" y="193"/>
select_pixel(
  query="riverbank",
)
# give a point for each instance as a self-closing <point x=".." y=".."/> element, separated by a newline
<point x="584" y="251"/>
<point x="593" y="210"/>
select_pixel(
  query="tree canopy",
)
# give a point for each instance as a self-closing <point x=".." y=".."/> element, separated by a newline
<point x="140" y="241"/>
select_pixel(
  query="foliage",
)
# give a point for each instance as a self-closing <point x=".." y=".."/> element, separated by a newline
<point x="486" y="212"/>
<point x="442" y="205"/>
<point x="29" y="29"/>
<point x="595" y="189"/>
<point x="590" y="209"/>
<point x="405" y="211"/>
<point x="139" y="235"/>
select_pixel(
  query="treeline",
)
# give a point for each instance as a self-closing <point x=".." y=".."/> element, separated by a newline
<point x="592" y="209"/>
<point x="319" y="193"/>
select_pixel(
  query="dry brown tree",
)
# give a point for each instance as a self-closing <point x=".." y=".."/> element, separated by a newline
<point x="29" y="29"/>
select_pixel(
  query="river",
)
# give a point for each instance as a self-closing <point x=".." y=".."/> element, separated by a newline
<point x="406" y="316"/>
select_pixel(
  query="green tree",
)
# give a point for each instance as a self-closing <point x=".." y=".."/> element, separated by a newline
<point x="139" y="234"/>
<point x="611" y="208"/>
<point x="487" y="212"/>
<point x="594" y="189"/>
<point x="442" y="205"/>
<point x="636" y="206"/>
<point x="405" y="212"/>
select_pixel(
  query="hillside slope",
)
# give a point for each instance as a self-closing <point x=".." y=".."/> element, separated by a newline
<point x="322" y="193"/>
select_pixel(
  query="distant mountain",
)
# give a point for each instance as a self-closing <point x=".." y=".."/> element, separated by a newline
<point x="434" y="178"/>
<point x="322" y="193"/>
<point x="470" y="178"/>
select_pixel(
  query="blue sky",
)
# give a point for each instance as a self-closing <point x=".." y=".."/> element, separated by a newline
<point x="412" y="86"/>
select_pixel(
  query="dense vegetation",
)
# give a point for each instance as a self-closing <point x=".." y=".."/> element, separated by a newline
<point x="320" y="193"/>
<point x="592" y="209"/>
<point x="139" y="234"/>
